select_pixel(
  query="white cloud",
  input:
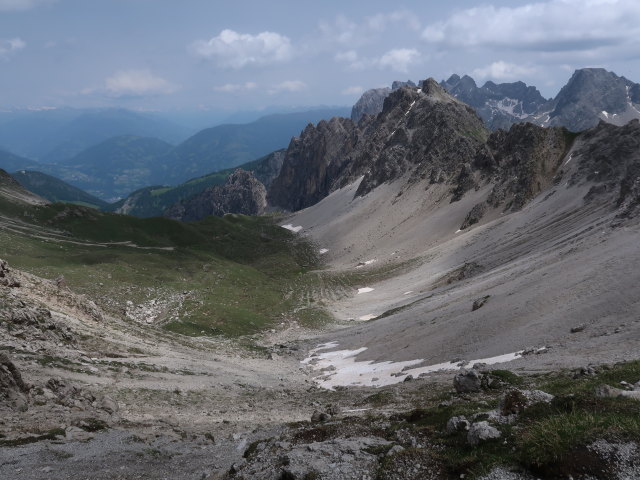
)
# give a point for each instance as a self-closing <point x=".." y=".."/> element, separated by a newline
<point x="236" y="87"/>
<point x="10" y="47"/>
<point x="399" y="59"/>
<point x="350" y="56"/>
<point x="15" y="5"/>
<point x="288" y="86"/>
<point x="501" y="70"/>
<point x="382" y="21"/>
<point x="237" y="50"/>
<point x="346" y="32"/>
<point x="552" y="26"/>
<point x="355" y="90"/>
<point x="136" y="83"/>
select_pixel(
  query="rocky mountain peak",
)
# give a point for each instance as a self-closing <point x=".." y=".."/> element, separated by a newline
<point x="370" y="103"/>
<point x="594" y="94"/>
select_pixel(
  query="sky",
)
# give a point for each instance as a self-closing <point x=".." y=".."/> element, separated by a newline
<point x="162" y="55"/>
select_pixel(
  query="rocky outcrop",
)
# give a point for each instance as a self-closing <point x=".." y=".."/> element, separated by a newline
<point x="242" y="193"/>
<point x="421" y="133"/>
<point x="314" y="163"/>
<point x="14" y="391"/>
<point x="267" y="168"/>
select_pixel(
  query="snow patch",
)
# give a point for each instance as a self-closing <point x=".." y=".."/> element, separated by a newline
<point x="365" y="290"/>
<point x="568" y="160"/>
<point x="323" y="251"/>
<point x="407" y="293"/>
<point x="288" y="226"/>
<point x="368" y="262"/>
<point x="364" y="318"/>
<point x="340" y="368"/>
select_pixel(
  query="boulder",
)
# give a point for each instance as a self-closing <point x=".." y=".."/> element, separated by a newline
<point x="457" y="424"/>
<point x="467" y="381"/>
<point x="481" y="432"/>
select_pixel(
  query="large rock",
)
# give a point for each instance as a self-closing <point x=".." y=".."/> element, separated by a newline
<point x="242" y="193"/>
<point x="467" y="381"/>
<point x="481" y="432"/>
<point x="6" y="278"/>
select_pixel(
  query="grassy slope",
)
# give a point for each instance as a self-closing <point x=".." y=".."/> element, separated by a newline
<point x="55" y="190"/>
<point x="235" y="270"/>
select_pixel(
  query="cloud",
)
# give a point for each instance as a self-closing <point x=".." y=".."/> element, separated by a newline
<point x="399" y="60"/>
<point x="9" y="47"/>
<point x="237" y="50"/>
<point x="134" y="83"/>
<point x="288" y="86"/>
<point x="15" y="5"/>
<point x="350" y="56"/>
<point x="346" y="32"/>
<point x="236" y="87"/>
<point x="503" y="71"/>
<point x="356" y="90"/>
<point x="552" y="26"/>
<point x="382" y="21"/>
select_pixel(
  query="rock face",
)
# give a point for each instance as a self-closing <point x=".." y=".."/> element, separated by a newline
<point x="420" y="133"/>
<point x="13" y="390"/>
<point x="242" y="193"/>
<point x="312" y="164"/>
<point x="370" y="103"/>
<point x="268" y="167"/>
<point x="610" y="159"/>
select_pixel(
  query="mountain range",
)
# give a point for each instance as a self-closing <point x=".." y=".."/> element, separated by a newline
<point x="590" y="95"/>
<point x="120" y="165"/>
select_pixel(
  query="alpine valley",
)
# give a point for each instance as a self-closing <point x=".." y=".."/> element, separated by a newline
<point x="442" y="285"/>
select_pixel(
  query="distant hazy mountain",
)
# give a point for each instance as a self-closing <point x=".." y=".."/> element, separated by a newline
<point x="115" y="167"/>
<point x="227" y="146"/>
<point x="54" y="189"/>
<point x="59" y="134"/>
<point x="153" y="201"/>
<point x="11" y="162"/>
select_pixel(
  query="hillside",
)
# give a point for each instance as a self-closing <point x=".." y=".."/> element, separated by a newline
<point x="11" y="162"/>
<point x="153" y="201"/>
<point x="54" y="189"/>
<point x="115" y="167"/>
